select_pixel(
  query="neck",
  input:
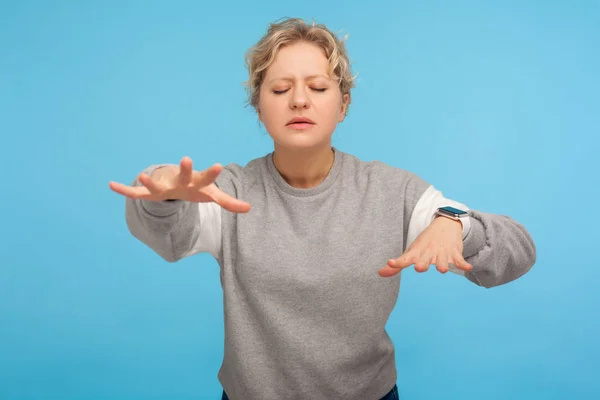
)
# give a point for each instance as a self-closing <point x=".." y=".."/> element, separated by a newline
<point x="304" y="168"/>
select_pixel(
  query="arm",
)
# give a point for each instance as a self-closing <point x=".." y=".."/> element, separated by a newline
<point x="174" y="229"/>
<point x="499" y="249"/>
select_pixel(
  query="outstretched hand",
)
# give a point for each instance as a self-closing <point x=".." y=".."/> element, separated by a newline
<point x="182" y="183"/>
<point x="440" y="244"/>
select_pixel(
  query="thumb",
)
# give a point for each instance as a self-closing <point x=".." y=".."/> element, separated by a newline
<point x="404" y="261"/>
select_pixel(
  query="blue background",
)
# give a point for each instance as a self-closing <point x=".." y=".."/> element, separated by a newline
<point x="496" y="104"/>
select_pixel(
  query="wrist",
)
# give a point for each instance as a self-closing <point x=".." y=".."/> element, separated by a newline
<point x="454" y="214"/>
<point x="449" y="221"/>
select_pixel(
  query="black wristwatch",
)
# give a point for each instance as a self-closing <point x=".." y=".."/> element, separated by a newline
<point x="452" y="213"/>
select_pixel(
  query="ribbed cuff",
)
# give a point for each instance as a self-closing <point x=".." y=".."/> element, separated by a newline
<point x="475" y="241"/>
<point x="161" y="208"/>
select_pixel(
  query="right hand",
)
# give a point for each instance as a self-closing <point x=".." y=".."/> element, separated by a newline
<point x="182" y="183"/>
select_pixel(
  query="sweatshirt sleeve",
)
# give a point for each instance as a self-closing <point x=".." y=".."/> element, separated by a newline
<point x="499" y="248"/>
<point x="174" y="229"/>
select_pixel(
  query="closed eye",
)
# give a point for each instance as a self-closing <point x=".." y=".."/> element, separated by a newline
<point x="320" y="90"/>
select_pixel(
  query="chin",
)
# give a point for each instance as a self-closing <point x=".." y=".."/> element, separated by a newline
<point x="302" y="141"/>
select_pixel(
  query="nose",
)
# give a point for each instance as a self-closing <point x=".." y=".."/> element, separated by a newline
<point x="299" y="99"/>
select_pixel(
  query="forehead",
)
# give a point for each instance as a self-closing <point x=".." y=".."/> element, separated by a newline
<point x="298" y="60"/>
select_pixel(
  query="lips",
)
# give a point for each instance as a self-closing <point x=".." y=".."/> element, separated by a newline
<point x="300" y="121"/>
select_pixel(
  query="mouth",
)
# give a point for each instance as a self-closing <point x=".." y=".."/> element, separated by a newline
<point x="300" y="122"/>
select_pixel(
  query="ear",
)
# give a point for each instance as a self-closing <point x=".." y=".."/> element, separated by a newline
<point x="259" y="114"/>
<point x="345" y="102"/>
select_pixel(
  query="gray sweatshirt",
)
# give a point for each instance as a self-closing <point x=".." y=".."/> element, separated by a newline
<point x="304" y="307"/>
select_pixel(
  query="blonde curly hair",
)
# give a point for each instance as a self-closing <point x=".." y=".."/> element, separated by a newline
<point x="290" y="31"/>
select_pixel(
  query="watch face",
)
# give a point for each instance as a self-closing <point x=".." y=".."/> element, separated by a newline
<point x="453" y="210"/>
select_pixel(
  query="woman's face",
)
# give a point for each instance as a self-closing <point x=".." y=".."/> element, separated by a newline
<point x="297" y="85"/>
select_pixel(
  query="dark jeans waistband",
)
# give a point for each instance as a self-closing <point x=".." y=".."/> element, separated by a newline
<point x="392" y="395"/>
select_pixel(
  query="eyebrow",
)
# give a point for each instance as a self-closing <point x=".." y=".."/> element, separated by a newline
<point x="289" y="78"/>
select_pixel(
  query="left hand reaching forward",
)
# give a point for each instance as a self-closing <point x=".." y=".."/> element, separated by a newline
<point x="441" y="243"/>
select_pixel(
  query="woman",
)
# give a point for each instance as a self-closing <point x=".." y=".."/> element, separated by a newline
<point x="311" y="272"/>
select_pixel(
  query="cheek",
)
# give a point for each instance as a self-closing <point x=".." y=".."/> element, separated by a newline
<point x="333" y="107"/>
<point x="268" y="107"/>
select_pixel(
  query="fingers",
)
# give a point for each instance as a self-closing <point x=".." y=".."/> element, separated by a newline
<point x="441" y="262"/>
<point x="129" y="191"/>
<point x="459" y="262"/>
<point x="394" y="266"/>
<point x="207" y="177"/>
<point x="406" y="260"/>
<point x="153" y="188"/>
<point x="186" y="171"/>
<point x="138" y="192"/>
<point x="388" y="271"/>
<point x="228" y="202"/>
<point x="152" y="185"/>
<point x="423" y="260"/>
